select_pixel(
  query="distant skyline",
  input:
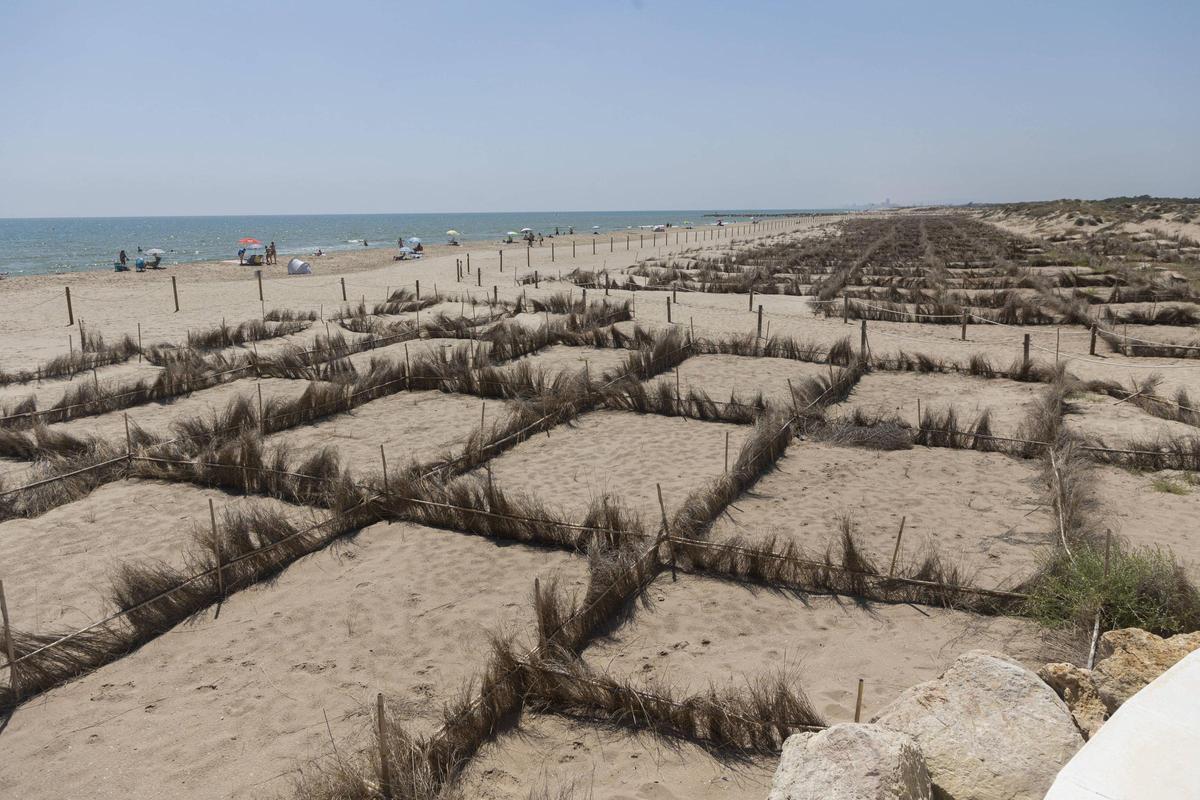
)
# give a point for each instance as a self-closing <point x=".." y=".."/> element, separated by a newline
<point x="151" y="108"/>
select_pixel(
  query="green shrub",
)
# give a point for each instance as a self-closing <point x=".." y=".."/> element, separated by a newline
<point x="1145" y="588"/>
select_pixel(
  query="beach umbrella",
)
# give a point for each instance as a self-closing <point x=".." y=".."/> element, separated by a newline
<point x="249" y="240"/>
<point x="526" y="230"/>
<point x="595" y="227"/>
<point x="414" y="240"/>
<point x="407" y="251"/>
<point x="452" y="233"/>
<point x="154" y="251"/>
<point x="511" y="233"/>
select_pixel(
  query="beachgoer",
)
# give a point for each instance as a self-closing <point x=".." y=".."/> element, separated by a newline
<point x="571" y="230"/>
<point x="272" y="258"/>
<point x="319" y="252"/>
<point x="364" y="242"/>
<point x="556" y="230"/>
<point x="540" y="240"/>
<point x="122" y="258"/>
<point x="242" y="256"/>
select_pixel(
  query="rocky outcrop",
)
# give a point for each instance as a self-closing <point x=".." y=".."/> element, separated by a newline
<point x="851" y="762"/>
<point x="989" y="729"/>
<point x="1128" y="659"/>
<point x="1076" y="688"/>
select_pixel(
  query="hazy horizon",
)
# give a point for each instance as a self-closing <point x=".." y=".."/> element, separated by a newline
<point x="141" y="109"/>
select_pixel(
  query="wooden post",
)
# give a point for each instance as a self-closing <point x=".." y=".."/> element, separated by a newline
<point x="407" y="369"/>
<point x="666" y="529"/>
<point x="610" y="244"/>
<point x="262" y="423"/>
<point x="845" y="309"/>
<point x="527" y="251"/>
<point x="863" y="346"/>
<point x="759" y="333"/>
<point x="858" y="702"/>
<point x="502" y="261"/>
<point x="418" y="290"/>
<point x="479" y="278"/>
<point x="258" y="274"/>
<point x="537" y="281"/>
<point x="552" y="252"/>
<point x="678" y="394"/>
<point x="70" y="311"/>
<point x="1027" y="348"/>
<point x="139" y="342"/>
<point x="750" y="305"/>
<point x="383" y="458"/>
<point x="896" y="551"/>
<point x="385" y="769"/>
<point x="640" y="235"/>
<point x="668" y="311"/>
<point x="964" y="326"/>
<point x="128" y="440"/>
<point x="593" y="245"/>
<point x="482" y="417"/>
<point x="726" y="452"/>
<point x="8" y="647"/>
<point x="1092" y="347"/>
<point x="468" y="263"/>
<point x="572" y="248"/>
<point x="175" y="293"/>
<point x="212" y="516"/>
<point x="918" y="415"/>
<point x="1057" y="341"/>
<point x="343" y="290"/>
<point x="495" y="294"/>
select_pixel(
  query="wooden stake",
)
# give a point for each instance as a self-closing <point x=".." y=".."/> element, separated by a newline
<point x="726" y="452"/>
<point x="8" y="647"/>
<point x="479" y="278"/>
<point x="385" y="770"/>
<point x="139" y="342"/>
<point x="407" y="369"/>
<point x="1057" y="340"/>
<point x="750" y="305"/>
<point x="175" y="293"/>
<point x="212" y="516"/>
<point x="128" y="440"/>
<point x="863" y="346"/>
<point x="858" y="702"/>
<point x="666" y="534"/>
<point x="1092" y="347"/>
<point x="482" y="417"/>
<point x="896" y="551"/>
<point x="262" y="422"/>
<point x="258" y="274"/>
<point x="1027" y="348"/>
<point x="418" y="290"/>
<point x="760" y="329"/>
<point x="70" y="311"/>
<point x="845" y="309"/>
<point x="383" y="458"/>
<point x="343" y="290"/>
<point x="468" y="263"/>
<point x="964" y="326"/>
<point x="668" y="311"/>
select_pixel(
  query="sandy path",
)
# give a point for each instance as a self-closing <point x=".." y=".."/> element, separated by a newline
<point x="157" y="417"/>
<point x="979" y="510"/>
<point x="882" y="394"/>
<point x="57" y="566"/>
<point x="554" y="753"/>
<point x="621" y="454"/>
<point x="723" y="376"/>
<point x="229" y="706"/>
<point x="701" y="631"/>
<point x="412" y="427"/>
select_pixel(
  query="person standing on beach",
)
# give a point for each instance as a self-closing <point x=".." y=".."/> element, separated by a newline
<point x="122" y="258"/>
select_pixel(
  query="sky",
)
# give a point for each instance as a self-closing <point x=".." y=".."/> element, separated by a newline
<point x="169" y="107"/>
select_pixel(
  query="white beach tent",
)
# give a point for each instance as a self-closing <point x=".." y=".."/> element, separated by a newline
<point x="298" y="267"/>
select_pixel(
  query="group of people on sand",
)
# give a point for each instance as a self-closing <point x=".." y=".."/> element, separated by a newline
<point x="141" y="263"/>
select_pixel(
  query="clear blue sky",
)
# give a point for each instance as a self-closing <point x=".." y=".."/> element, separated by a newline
<point x="168" y="107"/>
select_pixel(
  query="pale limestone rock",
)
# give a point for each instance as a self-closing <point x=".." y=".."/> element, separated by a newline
<point x="851" y="762"/>
<point x="989" y="729"/>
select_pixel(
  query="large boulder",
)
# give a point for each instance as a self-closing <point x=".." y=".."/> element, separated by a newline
<point x="851" y="762"/>
<point x="989" y="729"/>
<point x="1077" y="689"/>
<point x="1129" y="658"/>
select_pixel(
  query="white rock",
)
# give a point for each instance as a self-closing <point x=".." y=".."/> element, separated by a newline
<point x="988" y="728"/>
<point x="851" y="762"/>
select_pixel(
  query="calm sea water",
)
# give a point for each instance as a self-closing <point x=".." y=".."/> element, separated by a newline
<point x="39" y="246"/>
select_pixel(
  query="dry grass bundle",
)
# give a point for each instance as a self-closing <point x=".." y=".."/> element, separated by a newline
<point x="942" y="428"/>
<point x="95" y="354"/>
<point x="402" y="301"/>
<point x="95" y="464"/>
<point x="756" y="719"/>
<point x="290" y="315"/>
<point x="762" y="448"/>
<point x="40" y="669"/>
<point x="656" y="356"/>
<point x="1180" y="316"/>
<point x="255" y="330"/>
<point x="661" y="398"/>
<point x="859" y="430"/>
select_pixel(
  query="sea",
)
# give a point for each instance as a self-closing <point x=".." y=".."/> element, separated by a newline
<point x="44" y="246"/>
